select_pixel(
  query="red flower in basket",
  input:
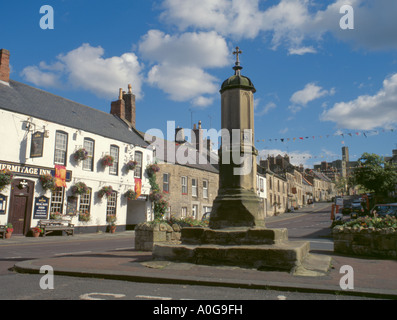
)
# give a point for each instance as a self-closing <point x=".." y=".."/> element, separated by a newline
<point x="107" y="161"/>
<point x="105" y="191"/>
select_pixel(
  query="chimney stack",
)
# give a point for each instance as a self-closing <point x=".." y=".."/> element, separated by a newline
<point x="130" y="109"/>
<point x="4" y="65"/>
<point x="124" y="107"/>
<point x="198" y="136"/>
<point x="118" y="106"/>
<point x="180" y="135"/>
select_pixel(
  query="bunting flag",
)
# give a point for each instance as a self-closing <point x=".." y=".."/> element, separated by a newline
<point x="350" y="134"/>
<point x="138" y="187"/>
<point x="60" y="176"/>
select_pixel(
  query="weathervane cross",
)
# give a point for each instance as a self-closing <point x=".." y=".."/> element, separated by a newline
<point x="237" y="53"/>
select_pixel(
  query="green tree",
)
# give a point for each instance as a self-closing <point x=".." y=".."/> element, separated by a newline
<point x="376" y="175"/>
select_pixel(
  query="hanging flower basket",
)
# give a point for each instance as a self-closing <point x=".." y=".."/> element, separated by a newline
<point x="131" y="165"/>
<point x="80" y="154"/>
<point x="5" y="178"/>
<point x="79" y="188"/>
<point x="152" y="169"/>
<point x="130" y="195"/>
<point x="155" y="196"/>
<point x="47" y="182"/>
<point x="105" y="191"/>
<point x="107" y="161"/>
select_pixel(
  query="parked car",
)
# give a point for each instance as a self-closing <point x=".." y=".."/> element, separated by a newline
<point x="356" y="209"/>
<point x="383" y="210"/>
<point x="346" y="209"/>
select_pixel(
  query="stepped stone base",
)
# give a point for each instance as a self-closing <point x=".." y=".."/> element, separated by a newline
<point x="260" y="248"/>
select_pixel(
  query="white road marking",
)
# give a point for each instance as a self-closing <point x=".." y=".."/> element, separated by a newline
<point x="88" y="296"/>
<point x="70" y="253"/>
<point x="152" y="297"/>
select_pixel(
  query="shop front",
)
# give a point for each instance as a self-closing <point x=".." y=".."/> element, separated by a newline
<point x="23" y="200"/>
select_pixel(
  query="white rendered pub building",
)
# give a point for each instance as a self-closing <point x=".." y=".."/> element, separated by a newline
<point x="45" y="137"/>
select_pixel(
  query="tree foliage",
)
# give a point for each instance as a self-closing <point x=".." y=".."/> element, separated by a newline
<point x="375" y="174"/>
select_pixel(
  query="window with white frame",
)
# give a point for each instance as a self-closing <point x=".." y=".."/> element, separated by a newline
<point x="61" y="143"/>
<point x="166" y="182"/>
<point x="194" y="187"/>
<point x="205" y="188"/>
<point x="138" y="168"/>
<point x="111" y="204"/>
<point x="184" y="212"/>
<point x="167" y="214"/>
<point x="206" y="209"/>
<point x="114" y="152"/>
<point x="195" y="211"/>
<point x="88" y="164"/>
<point x="85" y="202"/>
<point x="184" y="185"/>
<point x="57" y="200"/>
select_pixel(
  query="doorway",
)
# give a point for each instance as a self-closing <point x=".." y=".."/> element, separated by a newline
<point x="21" y="205"/>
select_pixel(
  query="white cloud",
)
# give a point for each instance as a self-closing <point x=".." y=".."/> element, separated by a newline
<point x="85" y="67"/>
<point x="309" y="93"/>
<point x="180" y="62"/>
<point x="301" y="51"/>
<point x="202" y="49"/>
<point x="286" y="21"/>
<point x="374" y="23"/>
<point x="367" y="112"/>
<point x="40" y="78"/>
<point x="289" y="22"/>
<point x="269" y="106"/>
<point x="202" y="101"/>
<point x="227" y="17"/>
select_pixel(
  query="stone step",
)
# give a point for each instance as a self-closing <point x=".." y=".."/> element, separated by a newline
<point x="234" y="236"/>
<point x="283" y="256"/>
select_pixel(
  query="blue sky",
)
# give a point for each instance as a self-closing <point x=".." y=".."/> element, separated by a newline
<point x="319" y="87"/>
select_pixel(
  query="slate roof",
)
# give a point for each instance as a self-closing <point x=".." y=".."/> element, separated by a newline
<point x="27" y="100"/>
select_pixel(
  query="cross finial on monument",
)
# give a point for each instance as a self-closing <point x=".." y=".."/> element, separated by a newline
<point x="237" y="66"/>
<point x="237" y="53"/>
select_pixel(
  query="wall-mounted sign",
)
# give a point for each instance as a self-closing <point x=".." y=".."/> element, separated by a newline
<point x="143" y="197"/>
<point x="3" y="204"/>
<point x="41" y="207"/>
<point x="31" y="171"/>
<point x="36" y="147"/>
<point x="71" y="206"/>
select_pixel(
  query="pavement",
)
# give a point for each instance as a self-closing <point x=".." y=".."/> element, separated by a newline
<point x="371" y="277"/>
